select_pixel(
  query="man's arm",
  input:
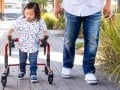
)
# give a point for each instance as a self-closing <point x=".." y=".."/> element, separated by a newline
<point x="56" y="2"/>
<point x="107" y="9"/>
<point x="108" y="2"/>
<point x="57" y="8"/>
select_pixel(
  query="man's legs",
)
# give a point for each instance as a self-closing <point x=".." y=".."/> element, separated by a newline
<point x="91" y="25"/>
<point x="70" y="35"/>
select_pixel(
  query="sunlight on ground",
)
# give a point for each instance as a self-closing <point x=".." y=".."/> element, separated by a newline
<point x="11" y="60"/>
<point x="54" y="56"/>
<point x="58" y="57"/>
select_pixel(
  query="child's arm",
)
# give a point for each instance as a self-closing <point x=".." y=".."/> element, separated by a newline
<point x="10" y="32"/>
<point x="43" y="28"/>
<point x="15" y="26"/>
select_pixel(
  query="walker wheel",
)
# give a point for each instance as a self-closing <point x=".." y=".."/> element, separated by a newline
<point x="4" y="79"/>
<point x="46" y="70"/>
<point x="50" y="77"/>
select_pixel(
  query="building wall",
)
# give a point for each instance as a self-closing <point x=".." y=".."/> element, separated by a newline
<point x="1" y="8"/>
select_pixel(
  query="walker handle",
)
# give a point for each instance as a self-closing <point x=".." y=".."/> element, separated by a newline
<point x="11" y="44"/>
<point x="43" y="43"/>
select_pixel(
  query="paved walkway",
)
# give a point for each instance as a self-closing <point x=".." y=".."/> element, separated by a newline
<point x="75" y="83"/>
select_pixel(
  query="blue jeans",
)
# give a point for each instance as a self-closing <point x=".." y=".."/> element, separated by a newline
<point x="32" y="59"/>
<point x="91" y="25"/>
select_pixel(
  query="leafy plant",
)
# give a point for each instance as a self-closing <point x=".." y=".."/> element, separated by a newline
<point x="49" y="19"/>
<point x="79" y="45"/>
<point x="52" y="22"/>
<point x="110" y="48"/>
<point x="60" y="23"/>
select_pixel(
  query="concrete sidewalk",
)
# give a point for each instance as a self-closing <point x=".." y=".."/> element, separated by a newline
<point x="75" y="83"/>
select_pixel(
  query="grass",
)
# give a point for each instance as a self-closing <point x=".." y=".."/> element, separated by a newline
<point x="110" y="48"/>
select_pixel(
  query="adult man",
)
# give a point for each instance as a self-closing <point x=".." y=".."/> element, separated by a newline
<point x="88" y="13"/>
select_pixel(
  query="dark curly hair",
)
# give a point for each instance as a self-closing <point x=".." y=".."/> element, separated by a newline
<point x="35" y="6"/>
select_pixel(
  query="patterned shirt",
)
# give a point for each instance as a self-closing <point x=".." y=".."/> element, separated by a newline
<point x="82" y="7"/>
<point x="29" y="33"/>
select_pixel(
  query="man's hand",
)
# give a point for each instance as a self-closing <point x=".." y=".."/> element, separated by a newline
<point x="57" y="8"/>
<point x="58" y="11"/>
<point x="107" y="9"/>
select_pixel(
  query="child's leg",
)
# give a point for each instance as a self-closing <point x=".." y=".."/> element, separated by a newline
<point x="33" y="63"/>
<point x="22" y="60"/>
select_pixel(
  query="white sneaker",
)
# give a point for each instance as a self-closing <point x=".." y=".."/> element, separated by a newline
<point x="90" y="78"/>
<point x="66" y="72"/>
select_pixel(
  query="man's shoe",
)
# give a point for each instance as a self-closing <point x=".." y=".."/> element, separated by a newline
<point x="90" y="78"/>
<point x="66" y="72"/>
<point x="33" y="78"/>
<point x="21" y="75"/>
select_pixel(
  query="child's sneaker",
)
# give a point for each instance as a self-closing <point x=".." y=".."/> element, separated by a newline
<point x="21" y="75"/>
<point x="33" y="78"/>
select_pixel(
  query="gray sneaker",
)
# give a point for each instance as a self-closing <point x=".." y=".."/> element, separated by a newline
<point x="90" y="78"/>
<point x="66" y="72"/>
<point x="33" y="78"/>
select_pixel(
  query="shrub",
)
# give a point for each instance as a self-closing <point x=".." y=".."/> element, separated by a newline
<point x="49" y="19"/>
<point x="110" y="48"/>
<point x="79" y="45"/>
<point x="52" y="22"/>
<point x="60" y="23"/>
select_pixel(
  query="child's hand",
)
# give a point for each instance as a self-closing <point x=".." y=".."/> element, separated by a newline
<point x="46" y="36"/>
<point x="10" y="32"/>
<point x="44" y="41"/>
<point x="45" y="33"/>
<point x="9" y="37"/>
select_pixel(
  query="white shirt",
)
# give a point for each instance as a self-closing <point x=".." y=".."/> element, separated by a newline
<point x="29" y="34"/>
<point x="82" y="7"/>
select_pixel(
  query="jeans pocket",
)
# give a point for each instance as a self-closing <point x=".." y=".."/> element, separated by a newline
<point x="95" y="16"/>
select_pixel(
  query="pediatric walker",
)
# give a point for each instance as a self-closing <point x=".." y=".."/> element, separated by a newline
<point x="10" y="44"/>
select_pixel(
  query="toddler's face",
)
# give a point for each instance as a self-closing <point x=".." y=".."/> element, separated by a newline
<point x="29" y="14"/>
